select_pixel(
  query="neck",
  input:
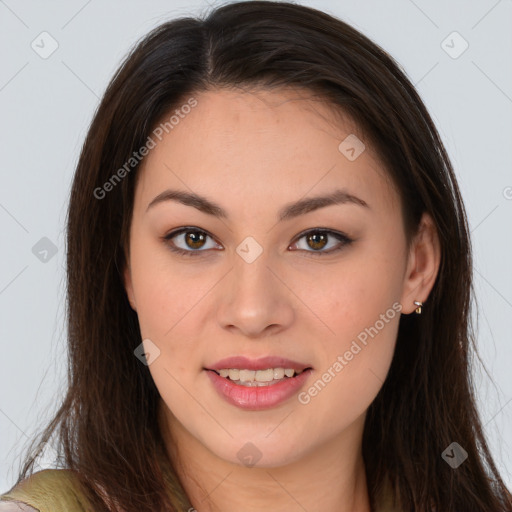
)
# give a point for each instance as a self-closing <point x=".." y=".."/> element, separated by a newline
<point x="330" y="478"/>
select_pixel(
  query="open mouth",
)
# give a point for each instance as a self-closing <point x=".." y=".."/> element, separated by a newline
<point x="258" y="378"/>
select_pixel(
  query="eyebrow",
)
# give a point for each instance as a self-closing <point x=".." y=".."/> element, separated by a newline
<point x="287" y="212"/>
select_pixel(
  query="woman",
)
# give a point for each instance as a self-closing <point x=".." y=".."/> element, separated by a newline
<point x="269" y="285"/>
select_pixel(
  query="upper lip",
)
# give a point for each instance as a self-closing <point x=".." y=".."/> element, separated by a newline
<point x="263" y="363"/>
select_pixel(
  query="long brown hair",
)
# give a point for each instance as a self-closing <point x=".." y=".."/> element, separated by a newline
<point x="107" y="427"/>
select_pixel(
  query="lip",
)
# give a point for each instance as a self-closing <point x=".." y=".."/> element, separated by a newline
<point x="257" y="398"/>
<point x="263" y="363"/>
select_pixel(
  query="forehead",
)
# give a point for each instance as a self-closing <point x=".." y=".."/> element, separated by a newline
<point x="262" y="143"/>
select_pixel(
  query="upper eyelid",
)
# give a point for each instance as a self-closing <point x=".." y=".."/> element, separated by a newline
<point x="180" y="231"/>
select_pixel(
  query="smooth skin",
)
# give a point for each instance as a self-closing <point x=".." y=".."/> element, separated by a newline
<point x="252" y="153"/>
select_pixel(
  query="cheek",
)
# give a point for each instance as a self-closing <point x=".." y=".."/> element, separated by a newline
<point x="165" y="292"/>
<point x="168" y="317"/>
<point x="363" y="322"/>
<point x="353" y="368"/>
<point x="354" y="295"/>
<point x="165" y="309"/>
<point x="360" y="306"/>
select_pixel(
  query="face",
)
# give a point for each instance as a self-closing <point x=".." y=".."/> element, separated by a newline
<point x="318" y="286"/>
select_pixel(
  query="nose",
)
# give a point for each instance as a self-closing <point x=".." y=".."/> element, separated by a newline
<point x="255" y="299"/>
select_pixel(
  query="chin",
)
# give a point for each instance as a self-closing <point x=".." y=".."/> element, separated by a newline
<point x="259" y="452"/>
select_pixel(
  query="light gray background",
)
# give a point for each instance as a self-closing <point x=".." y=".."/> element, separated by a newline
<point x="47" y="104"/>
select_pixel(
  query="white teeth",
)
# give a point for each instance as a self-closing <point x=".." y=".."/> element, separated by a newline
<point x="278" y="373"/>
<point x="234" y="374"/>
<point x="257" y="376"/>
<point x="264" y="375"/>
<point x="247" y="375"/>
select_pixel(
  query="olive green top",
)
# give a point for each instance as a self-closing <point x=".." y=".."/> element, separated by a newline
<point x="58" y="490"/>
<point x="50" y="490"/>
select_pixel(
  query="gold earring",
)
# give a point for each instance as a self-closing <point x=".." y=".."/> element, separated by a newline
<point x="419" y="304"/>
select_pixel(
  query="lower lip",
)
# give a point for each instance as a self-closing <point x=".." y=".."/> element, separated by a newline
<point x="259" y="397"/>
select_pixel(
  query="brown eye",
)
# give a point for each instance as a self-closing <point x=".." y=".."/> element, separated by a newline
<point x="194" y="239"/>
<point x="189" y="241"/>
<point x="316" y="240"/>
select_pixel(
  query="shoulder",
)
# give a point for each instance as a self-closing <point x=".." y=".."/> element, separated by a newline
<point x="16" y="506"/>
<point x="49" y="490"/>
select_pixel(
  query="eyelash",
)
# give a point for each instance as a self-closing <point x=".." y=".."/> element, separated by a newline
<point x="193" y="253"/>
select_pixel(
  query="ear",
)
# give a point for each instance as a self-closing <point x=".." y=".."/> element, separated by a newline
<point x="422" y="266"/>
<point x="127" y="277"/>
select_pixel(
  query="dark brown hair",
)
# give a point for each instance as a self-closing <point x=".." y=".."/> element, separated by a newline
<point x="106" y="427"/>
